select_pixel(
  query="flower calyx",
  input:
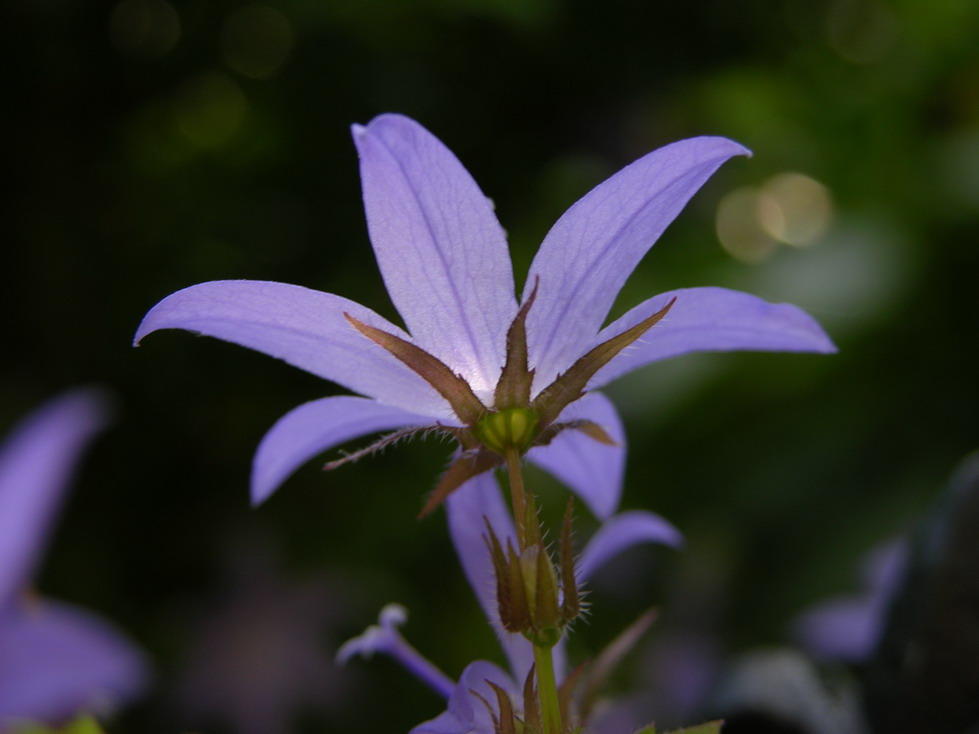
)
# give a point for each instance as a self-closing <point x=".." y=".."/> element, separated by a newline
<point x="517" y="421"/>
<point x="534" y="597"/>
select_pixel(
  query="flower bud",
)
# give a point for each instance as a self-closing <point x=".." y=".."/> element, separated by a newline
<point x="532" y="598"/>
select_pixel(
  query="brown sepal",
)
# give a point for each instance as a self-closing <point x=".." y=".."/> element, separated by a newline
<point x="506" y="723"/>
<point x="436" y="373"/>
<point x="513" y="388"/>
<point x="589" y="428"/>
<point x="570" y="386"/>
<point x="504" y="596"/>
<point x="492" y="711"/>
<point x="462" y="469"/>
<point x="531" y="706"/>
<point x="379" y="445"/>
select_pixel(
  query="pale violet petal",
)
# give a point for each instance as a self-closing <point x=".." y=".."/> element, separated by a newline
<point x="58" y="661"/>
<point x="466" y="714"/>
<point x="848" y="628"/>
<point x="845" y="628"/>
<point x="440" y="248"/>
<point x="593" y="470"/>
<point x="36" y="462"/>
<point x="315" y="427"/>
<point x="622" y="532"/>
<point x="591" y="250"/>
<point x="711" y="320"/>
<point x="384" y="638"/>
<point x="467" y="507"/>
<point x="303" y="327"/>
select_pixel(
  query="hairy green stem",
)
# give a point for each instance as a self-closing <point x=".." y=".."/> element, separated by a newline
<point x="517" y="495"/>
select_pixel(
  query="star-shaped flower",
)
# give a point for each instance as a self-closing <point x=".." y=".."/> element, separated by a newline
<point x="55" y="660"/>
<point x="495" y="373"/>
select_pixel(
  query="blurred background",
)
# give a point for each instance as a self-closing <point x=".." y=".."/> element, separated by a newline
<point x="154" y="144"/>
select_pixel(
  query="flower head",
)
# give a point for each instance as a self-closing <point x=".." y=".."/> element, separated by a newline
<point x="55" y="660"/>
<point x="497" y="374"/>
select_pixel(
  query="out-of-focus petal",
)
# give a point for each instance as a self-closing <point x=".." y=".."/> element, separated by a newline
<point x="315" y="427"/>
<point x="593" y="470"/>
<point x="845" y="628"/>
<point x="303" y="327"/>
<point x="35" y="464"/>
<point x="711" y="320"/>
<point x="466" y="714"/>
<point x="480" y="498"/>
<point x="848" y="628"/>
<point x="58" y="660"/>
<point x="595" y="245"/>
<point x="622" y="532"/>
<point x="439" y="246"/>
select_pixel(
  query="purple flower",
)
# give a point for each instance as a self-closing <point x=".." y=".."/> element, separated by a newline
<point x="444" y="259"/>
<point x="479" y="501"/>
<point x="55" y="660"/>
<point x="848" y="628"/>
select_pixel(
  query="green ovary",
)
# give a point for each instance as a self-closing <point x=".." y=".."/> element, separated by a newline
<point x="511" y="428"/>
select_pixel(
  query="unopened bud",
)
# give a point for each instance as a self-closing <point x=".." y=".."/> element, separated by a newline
<point x="530" y="597"/>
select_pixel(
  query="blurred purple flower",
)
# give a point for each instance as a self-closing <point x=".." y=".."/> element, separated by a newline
<point x="251" y="664"/>
<point x="848" y="627"/>
<point x="55" y="660"/>
<point x="444" y="258"/>
<point x="480" y="499"/>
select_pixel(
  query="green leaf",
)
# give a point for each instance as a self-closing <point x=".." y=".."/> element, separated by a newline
<point x="81" y="725"/>
<point x="711" y="727"/>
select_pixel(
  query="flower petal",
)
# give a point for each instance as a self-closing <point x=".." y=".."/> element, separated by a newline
<point x="712" y="319"/>
<point x="306" y="328"/>
<point x="467" y="507"/>
<point x="592" y="469"/>
<point x="846" y="628"/>
<point x="466" y="714"/>
<point x="439" y="246"/>
<point x="35" y="464"/>
<point x="58" y="661"/>
<point x="314" y="427"/>
<point x="595" y="245"/>
<point x="622" y="532"/>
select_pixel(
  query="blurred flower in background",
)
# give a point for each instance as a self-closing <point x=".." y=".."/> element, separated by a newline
<point x="259" y="653"/>
<point x="55" y="660"/>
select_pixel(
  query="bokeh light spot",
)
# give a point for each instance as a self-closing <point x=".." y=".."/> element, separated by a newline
<point x="209" y="110"/>
<point x="739" y="228"/>
<point x="256" y="40"/>
<point x="795" y="209"/>
<point x="144" y="29"/>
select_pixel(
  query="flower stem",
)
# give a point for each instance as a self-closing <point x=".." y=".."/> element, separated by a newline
<point x="547" y="690"/>
<point x="517" y="495"/>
